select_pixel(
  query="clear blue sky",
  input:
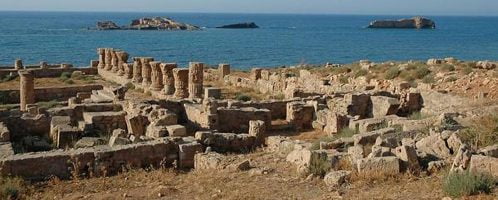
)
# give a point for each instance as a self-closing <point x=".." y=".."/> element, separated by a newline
<point x="386" y="7"/>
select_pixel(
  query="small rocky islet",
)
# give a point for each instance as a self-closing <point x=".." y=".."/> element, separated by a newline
<point x="413" y="23"/>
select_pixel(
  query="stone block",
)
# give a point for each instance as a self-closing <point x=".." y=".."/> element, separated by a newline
<point x="490" y="151"/>
<point x="385" y="165"/>
<point x="4" y="133"/>
<point x="485" y="164"/>
<point x="212" y="160"/>
<point x="337" y="178"/>
<point x="384" y="106"/>
<point x="212" y="92"/>
<point x="408" y="157"/>
<point x="434" y="145"/>
<point x="177" y="131"/>
<point x="186" y="154"/>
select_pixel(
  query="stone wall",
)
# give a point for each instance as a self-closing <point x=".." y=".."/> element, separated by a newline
<point x="98" y="161"/>
<point x="48" y="93"/>
<point x="52" y="71"/>
<point x="276" y="107"/>
<point x="237" y="120"/>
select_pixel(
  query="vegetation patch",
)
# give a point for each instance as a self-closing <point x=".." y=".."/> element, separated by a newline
<point x="392" y="73"/>
<point x="467" y="183"/>
<point x="242" y="97"/>
<point x="11" y="188"/>
<point x="482" y="131"/>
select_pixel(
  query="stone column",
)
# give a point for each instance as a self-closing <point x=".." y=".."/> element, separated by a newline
<point x="27" y="90"/>
<point x="256" y="74"/>
<point x="108" y="59"/>
<point x="128" y="70"/>
<point x="181" y="82"/>
<point x="18" y="64"/>
<point x="257" y="129"/>
<point x="43" y="65"/>
<point x="195" y="80"/>
<point x="137" y="70"/>
<point x="168" y="79"/>
<point x="101" y="53"/>
<point x="156" y="76"/>
<point x="114" y="61"/>
<point x="146" y="71"/>
<point x="224" y="69"/>
<point x="122" y="59"/>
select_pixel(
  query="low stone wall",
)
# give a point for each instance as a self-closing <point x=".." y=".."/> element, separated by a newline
<point x="237" y="120"/>
<point x="277" y="107"/>
<point x="98" y="161"/>
<point x="51" y="71"/>
<point x="48" y="93"/>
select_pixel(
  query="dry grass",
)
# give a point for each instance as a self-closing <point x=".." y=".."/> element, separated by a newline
<point x="482" y="132"/>
<point x="53" y="82"/>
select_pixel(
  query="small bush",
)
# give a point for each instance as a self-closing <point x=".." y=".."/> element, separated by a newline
<point x="8" y="78"/>
<point x="10" y="188"/>
<point x="391" y="73"/>
<point x="467" y="183"/>
<point x="428" y="79"/>
<point x="69" y="82"/>
<point x="451" y="79"/>
<point x="482" y="132"/>
<point x="407" y="76"/>
<point x="319" y="165"/>
<point x="467" y="70"/>
<point x="242" y="97"/>
<point x="421" y="72"/>
<point x="346" y="133"/>
<point x="130" y="86"/>
<point x="315" y="145"/>
<point x="344" y="79"/>
<point x="447" y="68"/>
<point x="77" y="75"/>
<point x="360" y="72"/>
<point x="65" y="76"/>
<point x="416" y="116"/>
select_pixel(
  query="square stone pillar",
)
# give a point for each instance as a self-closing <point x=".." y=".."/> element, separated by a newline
<point x="27" y="90"/>
<point x="181" y="82"/>
<point x="195" y="80"/>
<point x="156" y="76"/>
<point x="168" y="78"/>
<point x="223" y="69"/>
<point x="256" y="74"/>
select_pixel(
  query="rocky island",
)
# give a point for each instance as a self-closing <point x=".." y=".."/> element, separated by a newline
<point x="156" y="23"/>
<point x="415" y="23"/>
<point x="240" y="26"/>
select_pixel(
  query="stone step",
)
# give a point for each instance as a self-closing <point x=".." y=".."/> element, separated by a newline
<point x="100" y="99"/>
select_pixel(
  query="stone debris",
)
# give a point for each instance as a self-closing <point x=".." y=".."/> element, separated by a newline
<point x="337" y="178"/>
<point x="484" y="164"/>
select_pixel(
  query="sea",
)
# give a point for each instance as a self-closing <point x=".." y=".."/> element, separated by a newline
<point x="282" y="40"/>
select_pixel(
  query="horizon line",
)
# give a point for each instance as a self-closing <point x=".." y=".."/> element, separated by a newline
<point x="260" y="13"/>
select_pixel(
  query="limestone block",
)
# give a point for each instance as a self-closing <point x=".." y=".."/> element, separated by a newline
<point x="337" y="178"/>
<point x="204" y="161"/>
<point x="223" y="69"/>
<point x="187" y="153"/>
<point x="454" y="142"/>
<point x="490" y="151"/>
<point x="136" y="124"/>
<point x="86" y="142"/>
<point x="433" y="145"/>
<point x="484" y="164"/>
<point x="177" y="131"/>
<point x="384" y="106"/>
<point x="257" y="128"/>
<point x="387" y="165"/>
<point x="154" y="131"/>
<point x="408" y="157"/>
<point x="370" y="138"/>
<point x="300" y="115"/>
<point x="4" y="133"/>
<point x="256" y="73"/>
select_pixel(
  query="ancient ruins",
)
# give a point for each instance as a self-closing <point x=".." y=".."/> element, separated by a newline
<point x="176" y="120"/>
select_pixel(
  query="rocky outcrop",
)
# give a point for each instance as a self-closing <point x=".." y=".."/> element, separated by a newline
<point x="240" y="26"/>
<point x="156" y="23"/>
<point x="416" y="22"/>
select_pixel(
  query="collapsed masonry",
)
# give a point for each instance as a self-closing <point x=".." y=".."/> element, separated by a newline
<point x="101" y="132"/>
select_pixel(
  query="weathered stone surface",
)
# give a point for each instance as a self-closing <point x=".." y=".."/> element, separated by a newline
<point x="210" y="160"/>
<point x="485" y="65"/>
<point x="156" y="76"/>
<point x="226" y="142"/>
<point x="378" y="151"/>
<point x="335" y="122"/>
<point x="300" y="115"/>
<point x="239" y="166"/>
<point x="119" y="137"/>
<point x="168" y="77"/>
<point x="435" y="166"/>
<point x="177" y="131"/>
<point x="181" y="77"/>
<point x="136" y="124"/>
<point x="383" y="106"/>
<point x="257" y="128"/>
<point x="415" y="22"/>
<point x="462" y="159"/>
<point x="454" y="142"/>
<point x="408" y="157"/>
<point x="337" y="178"/>
<point x="387" y="165"/>
<point x="212" y="92"/>
<point x="484" y="164"/>
<point x="256" y="73"/>
<point x="433" y="145"/>
<point x="279" y="144"/>
<point x="101" y="53"/>
<point x="187" y="152"/>
<point x="371" y="137"/>
<point x="146" y="71"/>
<point x="137" y="71"/>
<point x="195" y="80"/>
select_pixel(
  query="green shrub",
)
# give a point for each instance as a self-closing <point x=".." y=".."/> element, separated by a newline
<point x="391" y="73"/>
<point x="421" y="72"/>
<point x="428" y="79"/>
<point x="344" y="79"/>
<point x="8" y="78"/>
<point x="65" y="76"/>
<point x="447" y="68"/>
<point x="319" y="165"/>
<point x="243" y="97"/>
<point x="482" y="132"/>
<point x="69" y="82"/>
<point x="10" y="188"/>
<point x="407" y="76"/>
<point x="467" y="183"/>
<point x="130" y="86"/>
<point x="77" y="75"/>
<point x="315" y="145"/>
<point x="346" y="133"/>
<point x="360" y="72"/>
<point x="467" y="70"/>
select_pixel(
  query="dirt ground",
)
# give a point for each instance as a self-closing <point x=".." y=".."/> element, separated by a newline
<point x="52" y="82"/>
<point x="270" y="178"/>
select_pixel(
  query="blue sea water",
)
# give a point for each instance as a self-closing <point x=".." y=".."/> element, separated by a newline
<point x="59" y="37"/>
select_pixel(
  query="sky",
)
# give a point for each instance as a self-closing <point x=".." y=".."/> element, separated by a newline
<point x="366" y="7"/>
